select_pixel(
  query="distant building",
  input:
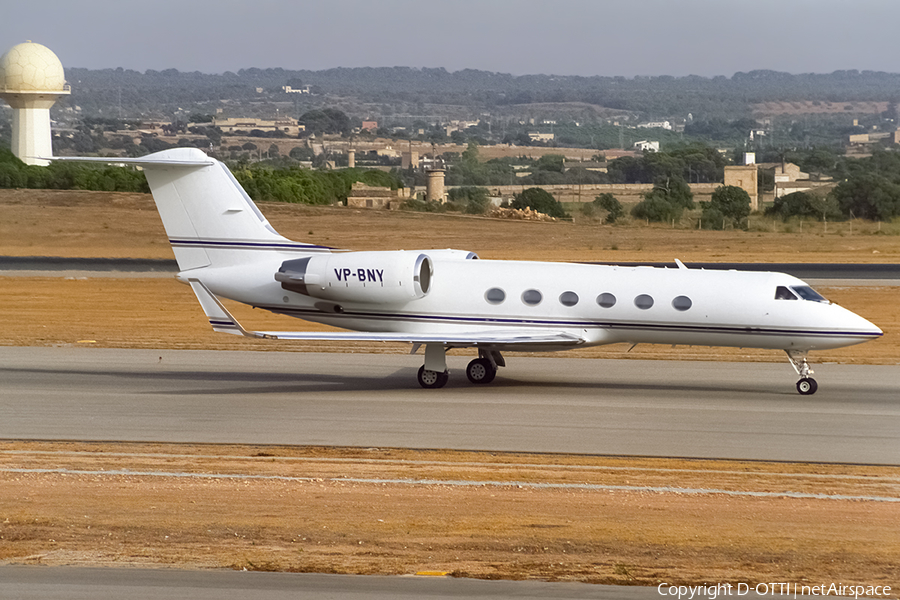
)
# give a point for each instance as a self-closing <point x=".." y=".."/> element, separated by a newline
<point x="656" y="125"/>
<point x="292" y="90"/>
<point x="409" y="159"/>
<point x="646" y="146"/>
<point x="744" y="177"/>
<point x="369" y="125"/>
<point x="541" y="137"/>
<point x="364" y="196"/>
<point x="233" y="125"/>
<point x="588" y="165"/>
<point x="789" y="179"/>
<point x="784" y="171"/>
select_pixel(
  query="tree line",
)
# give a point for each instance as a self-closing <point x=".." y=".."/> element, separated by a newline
<point x="263" y="182"/>
<point x="709" y="97"/>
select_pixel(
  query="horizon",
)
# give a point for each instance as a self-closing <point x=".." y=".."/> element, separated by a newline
<point x="645" y="38"/>
<point x="453" y="72"/>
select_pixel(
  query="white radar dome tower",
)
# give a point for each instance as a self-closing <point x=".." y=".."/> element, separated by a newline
<point x="31" y="81"/>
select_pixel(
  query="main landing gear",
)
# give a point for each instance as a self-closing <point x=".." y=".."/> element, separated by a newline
<point x="435" y="374"/>
<point x="432" y="379"/>
<point x="807" y="385"/>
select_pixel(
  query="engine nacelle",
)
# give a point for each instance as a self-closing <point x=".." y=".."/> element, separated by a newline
<point x="449" y="254"/>
<point x="368" y="277"/>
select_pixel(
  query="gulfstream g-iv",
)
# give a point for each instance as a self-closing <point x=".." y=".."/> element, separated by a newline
<point x="443" y="299"/>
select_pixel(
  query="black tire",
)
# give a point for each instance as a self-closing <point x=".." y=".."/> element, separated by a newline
<point x="807" y="386"/>
<point x="432" y="379"/>
<point x="481" y="371"/>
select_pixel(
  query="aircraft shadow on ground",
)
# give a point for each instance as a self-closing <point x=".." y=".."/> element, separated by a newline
<point x="400" y="380"/>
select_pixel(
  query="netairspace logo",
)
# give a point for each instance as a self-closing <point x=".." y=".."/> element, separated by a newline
<point x="711" y="592"/>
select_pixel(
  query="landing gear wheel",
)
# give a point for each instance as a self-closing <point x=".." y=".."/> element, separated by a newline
<point x="807" y="386"/>
<point x="480" y="371"/>
<point x="432" y="379"/>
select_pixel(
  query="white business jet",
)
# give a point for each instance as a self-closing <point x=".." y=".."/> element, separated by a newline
<point x="443" y="299"/>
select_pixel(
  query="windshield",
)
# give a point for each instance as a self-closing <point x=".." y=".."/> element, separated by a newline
<point x="807" y="293"/>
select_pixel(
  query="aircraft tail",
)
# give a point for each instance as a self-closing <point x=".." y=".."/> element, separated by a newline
<point x="208" y="217"/>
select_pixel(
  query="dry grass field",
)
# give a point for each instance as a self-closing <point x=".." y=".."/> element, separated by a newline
<point x="98" y="310"/>
<point x="807" y="107"/>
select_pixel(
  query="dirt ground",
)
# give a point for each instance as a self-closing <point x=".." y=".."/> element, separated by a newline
<point x="101" y="224"/>
<point x="608" y="520"/>
<point x="466" y="514"/>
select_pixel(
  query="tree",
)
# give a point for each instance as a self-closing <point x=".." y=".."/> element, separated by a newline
<point x="868" y="196"/>
<point x="803" y="204"/>
<point x="728" y="203"/>
<point x="301" y="153"/>
<point x="550" y="162"/>
<point x="655" y="207"/>
<point x="539" y="200"/>
<point x="666" y="201"/>
<point x="473" y="200"/>
<point x="676" y="190"/>
<point x="327" y="120"/>
<point x="611" y="205"/>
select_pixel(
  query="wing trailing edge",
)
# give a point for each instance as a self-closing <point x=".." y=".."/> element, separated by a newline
<point x="223" y="321"/>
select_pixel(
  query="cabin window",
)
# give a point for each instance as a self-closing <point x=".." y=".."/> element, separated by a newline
<point x="782" y="293"/>
<point x="643" y="302"/>
<point x="532" y="297"/>
<point x="568" y="298"/>
<point x="495" y="296"/>
<point x="681" y="303"/>
<point x="606" y="300"/>
<point x="807" y="293"/>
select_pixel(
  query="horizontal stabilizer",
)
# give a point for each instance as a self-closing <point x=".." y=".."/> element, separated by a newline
<point x="145" y="161"/>
<point x="222" y="321"/>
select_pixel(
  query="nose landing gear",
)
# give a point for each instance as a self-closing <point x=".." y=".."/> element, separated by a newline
<point x="807" y="385"/>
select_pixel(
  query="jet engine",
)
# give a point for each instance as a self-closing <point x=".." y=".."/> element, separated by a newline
<point x="368" y="277"/>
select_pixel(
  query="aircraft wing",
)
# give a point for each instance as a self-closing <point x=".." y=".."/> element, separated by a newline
<point x="222" y="321"/>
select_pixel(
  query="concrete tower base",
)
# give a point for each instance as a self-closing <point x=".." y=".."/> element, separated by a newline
<point x="31" y="134"/>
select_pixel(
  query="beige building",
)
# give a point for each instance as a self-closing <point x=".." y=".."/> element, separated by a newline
<point x="365" y="196"/>
<point x="541" y="137"/>
<point x="784" y="171"/>
<point x="232" y="125"/>
<point x="744" y="177"/>
<point x="409" y="159"/>
<point x="789" y="179"/>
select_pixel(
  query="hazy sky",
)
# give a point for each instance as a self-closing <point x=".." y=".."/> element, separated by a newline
<point x="568" y="37"/>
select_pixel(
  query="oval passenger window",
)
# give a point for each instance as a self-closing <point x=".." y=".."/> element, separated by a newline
<point x="495" y="296"/>
<point x="682" y="303"/>
<point x="606" y="300"/>
<point x="643" y="301"/>
<point x="532" y="297"/>
<point x="568" y="299"/>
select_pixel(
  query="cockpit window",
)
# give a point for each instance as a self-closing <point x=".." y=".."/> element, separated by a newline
<point x="782" y="293"/>
<point x="807" y="293"/>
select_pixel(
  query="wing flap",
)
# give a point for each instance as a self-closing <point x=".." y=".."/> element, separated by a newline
<point x="223" y="322"/>
<point x="504" y="337"/>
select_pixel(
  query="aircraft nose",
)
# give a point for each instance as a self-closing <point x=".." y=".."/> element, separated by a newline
<point x="863" y="325"/>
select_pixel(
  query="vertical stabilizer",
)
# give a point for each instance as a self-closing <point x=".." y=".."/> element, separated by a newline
<point x="208" y="217"/>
